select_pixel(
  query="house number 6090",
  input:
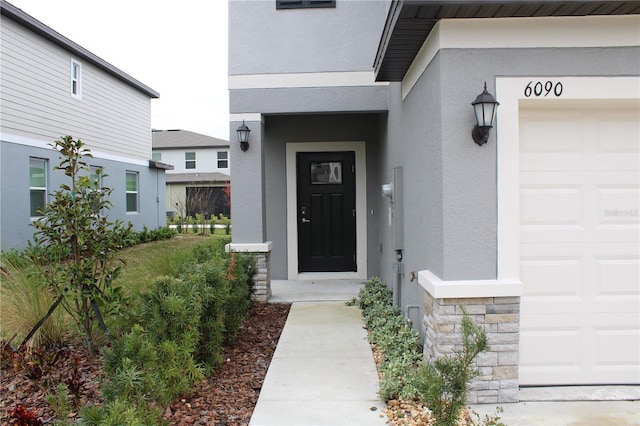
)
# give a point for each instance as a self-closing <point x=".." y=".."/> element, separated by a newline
<point x="540" y="88"/>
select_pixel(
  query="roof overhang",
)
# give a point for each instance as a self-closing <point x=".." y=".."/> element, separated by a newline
<point x="160" y="165"/>
<point x="409" y="23"/>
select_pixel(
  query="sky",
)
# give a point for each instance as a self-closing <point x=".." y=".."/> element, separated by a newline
<point x="178" y="48"/>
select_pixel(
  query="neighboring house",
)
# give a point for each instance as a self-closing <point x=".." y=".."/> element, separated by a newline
<point x="51" y="87"/>
<point x="199" y="181"/>
<point x="535" y="232"/>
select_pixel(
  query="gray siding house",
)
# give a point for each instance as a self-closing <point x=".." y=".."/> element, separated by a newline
<point x="51" y="87"/>
<point x="199" y="179"/>
<point x="361" y="162"/>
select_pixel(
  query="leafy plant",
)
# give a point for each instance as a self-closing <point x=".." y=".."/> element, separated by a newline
<point x="25" y="417"/>
<point x="74" y="222"/>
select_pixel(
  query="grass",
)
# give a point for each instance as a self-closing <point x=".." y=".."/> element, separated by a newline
<point x="24" y="300"/>
<point x="144" y="262"/>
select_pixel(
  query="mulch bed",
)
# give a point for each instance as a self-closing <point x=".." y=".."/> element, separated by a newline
<point x="227" y="397"/>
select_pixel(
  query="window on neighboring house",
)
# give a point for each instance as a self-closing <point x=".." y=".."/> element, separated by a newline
<point x="95" y="176"/>
<point x="37" y="185"/>
<point x="132" y="192"/>
<point x="223" y="159"/>
<point x="189" y="160"/>
<point x="303" y="4"/>
<point x="76" y="79"/>
<point x="156" y="156"/>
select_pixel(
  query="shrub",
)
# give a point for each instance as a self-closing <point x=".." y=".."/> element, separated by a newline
<point x="181" y="327"/>
<point x="70" y="224"/>
<point x="441" y="384"/>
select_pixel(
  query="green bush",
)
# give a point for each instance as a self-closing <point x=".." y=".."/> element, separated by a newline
<point x="441" y="384"/>
<point x="183" y="323"/>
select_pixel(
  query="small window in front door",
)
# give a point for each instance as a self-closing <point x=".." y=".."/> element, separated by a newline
<point x="326" y="173"/>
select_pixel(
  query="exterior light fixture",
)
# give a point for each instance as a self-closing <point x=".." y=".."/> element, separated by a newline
<point x="243" y="136"/>
<point x="485" y="107"/>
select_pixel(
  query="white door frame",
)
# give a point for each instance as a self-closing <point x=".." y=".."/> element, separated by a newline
<point x="361" y="208"/>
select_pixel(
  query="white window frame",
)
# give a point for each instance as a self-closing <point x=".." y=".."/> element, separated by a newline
<point x="225" y="159"/>
<point x="129" y="192"/>
<point x="76" y="79"/>
<point x="42" y="189"/>
<point x="187" y="161"/>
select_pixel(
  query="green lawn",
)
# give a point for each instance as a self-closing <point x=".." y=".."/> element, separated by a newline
<point x="144" y="262"/>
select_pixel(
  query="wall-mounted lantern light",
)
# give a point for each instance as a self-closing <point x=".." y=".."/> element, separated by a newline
<point x="485" y="107"/>
<point x="243" y="136"/>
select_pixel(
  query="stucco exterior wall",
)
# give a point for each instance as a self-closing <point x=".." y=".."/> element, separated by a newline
<point x="450" y="182"/>
<point x="344" y="38"/>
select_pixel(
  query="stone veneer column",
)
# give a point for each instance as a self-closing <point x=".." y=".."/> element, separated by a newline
<point x="498" y="380"/>
<point x="262" y="279"/>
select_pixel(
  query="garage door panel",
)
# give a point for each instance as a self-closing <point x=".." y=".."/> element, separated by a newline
<point x="557" y="206"/>
<point x="610" y="352"/>
<point x="579" y="251"/>
<point x="551" y="348"/>
<point x="551" y="277"/>
<point x="618" y="276"/>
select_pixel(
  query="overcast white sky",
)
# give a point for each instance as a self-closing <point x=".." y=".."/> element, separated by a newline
<point x="178" y="48"/>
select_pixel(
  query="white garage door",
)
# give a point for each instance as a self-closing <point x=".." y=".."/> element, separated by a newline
<point x="579" y="255"/>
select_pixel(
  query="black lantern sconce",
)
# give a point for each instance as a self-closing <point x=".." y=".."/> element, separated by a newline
<point x="243" y="136"/>
<point x="485" y="107"/>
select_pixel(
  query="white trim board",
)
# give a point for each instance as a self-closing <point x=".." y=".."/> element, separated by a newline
<point x="296" y="80"/>
<point x="553" y="32"/>
<point x="361" y="208"/>
<point x="510" y="92"/>
<point x="38" y="143"/>
<point x="462" y="289"/>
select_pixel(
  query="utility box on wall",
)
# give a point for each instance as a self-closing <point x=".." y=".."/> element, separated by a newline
<point x="394" y="192"/>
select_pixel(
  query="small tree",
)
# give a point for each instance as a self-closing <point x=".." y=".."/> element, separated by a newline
<point x="76" y="235"/>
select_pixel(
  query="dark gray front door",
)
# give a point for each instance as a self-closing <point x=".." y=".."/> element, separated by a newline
<point x="326" y="211"/>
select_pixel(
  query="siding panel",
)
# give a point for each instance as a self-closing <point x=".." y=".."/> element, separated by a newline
<point x="111" y="117"/>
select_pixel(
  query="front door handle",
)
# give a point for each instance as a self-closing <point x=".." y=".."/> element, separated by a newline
<point x="305" y="220"/>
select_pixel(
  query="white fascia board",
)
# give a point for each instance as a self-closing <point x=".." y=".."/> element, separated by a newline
<point x="550" y="32"/>
<point x="38" y="143"/>
<point x="297" y="80"/>
<point x="246" y="116"/>
<point x="463" y="289"/>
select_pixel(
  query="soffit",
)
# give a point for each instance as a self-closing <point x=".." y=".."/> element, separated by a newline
<point x="409" y="23"/>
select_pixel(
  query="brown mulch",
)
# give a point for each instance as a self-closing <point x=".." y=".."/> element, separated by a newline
<point x="227" y="397"/>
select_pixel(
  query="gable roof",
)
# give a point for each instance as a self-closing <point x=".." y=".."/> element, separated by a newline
<point x="29" y="22"/>
<point x="409" y="22"/>
<point x="177" y="139"/>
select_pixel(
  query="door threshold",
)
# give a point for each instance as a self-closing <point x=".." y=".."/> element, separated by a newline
<point x="308" y="276"/>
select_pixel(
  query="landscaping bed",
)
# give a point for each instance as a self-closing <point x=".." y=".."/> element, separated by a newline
<point x="226" y="397"/>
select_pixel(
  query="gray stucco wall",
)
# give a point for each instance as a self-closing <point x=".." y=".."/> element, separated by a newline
<point x="14" y="197"/>
<point x="450" y="182"/>
<point x="270" y="41"/>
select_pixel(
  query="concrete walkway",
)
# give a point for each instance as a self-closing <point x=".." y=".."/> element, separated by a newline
<point x="323" y="373"/>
